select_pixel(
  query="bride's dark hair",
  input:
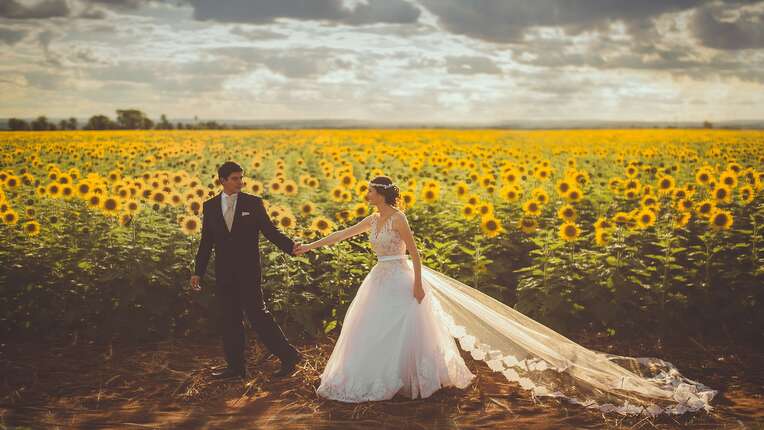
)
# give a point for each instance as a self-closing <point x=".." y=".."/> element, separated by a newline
<point x="392" y="194"/>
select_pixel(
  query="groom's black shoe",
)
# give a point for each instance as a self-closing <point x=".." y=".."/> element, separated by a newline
<point x="228" y="373"/>
<point x="288" y="365"/>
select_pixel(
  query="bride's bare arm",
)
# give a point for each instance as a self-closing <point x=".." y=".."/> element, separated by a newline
<point x="401" y="224"/>
<point x="362" y="226"/>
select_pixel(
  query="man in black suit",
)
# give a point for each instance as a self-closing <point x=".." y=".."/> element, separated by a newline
<point x="231" y="223"/>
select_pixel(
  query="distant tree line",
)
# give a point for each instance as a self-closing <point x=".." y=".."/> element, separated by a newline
<point x="127" y="119"/>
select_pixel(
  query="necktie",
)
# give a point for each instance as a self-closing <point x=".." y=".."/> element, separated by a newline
<point x="228" y="215"/>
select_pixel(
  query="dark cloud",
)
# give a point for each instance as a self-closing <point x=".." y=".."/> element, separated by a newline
<point x="41" y="10"/>
<point x="9" y="36"/>
<point x="46" y="80"/>
<point x="93" y="13"/>
<point x="745" y="32"/>
<point x="266" y="11"/>
<point x="119" y="4"/>
<point x="291" y="63"/>
<point x="506" y="21"/>
<point x="469" y="65"/>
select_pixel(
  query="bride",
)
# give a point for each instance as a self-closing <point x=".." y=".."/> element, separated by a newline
<point x="398" y="337"/>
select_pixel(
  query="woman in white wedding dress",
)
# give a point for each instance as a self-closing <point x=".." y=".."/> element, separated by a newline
<point x="398" y="337"/>
<point x="391" y="339"/>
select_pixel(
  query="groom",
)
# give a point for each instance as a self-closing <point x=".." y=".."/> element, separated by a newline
<point x="231" y="223"/>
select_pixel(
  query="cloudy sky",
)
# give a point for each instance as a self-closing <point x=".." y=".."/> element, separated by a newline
<point x="393" y="60"/>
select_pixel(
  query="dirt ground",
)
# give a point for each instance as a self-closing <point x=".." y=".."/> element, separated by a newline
<point x="66" y="384"/>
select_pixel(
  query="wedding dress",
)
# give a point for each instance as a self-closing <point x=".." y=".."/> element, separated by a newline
<point x="390" y="343"/>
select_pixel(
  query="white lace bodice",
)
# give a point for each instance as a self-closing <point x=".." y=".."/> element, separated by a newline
<point x="388" y="241"/>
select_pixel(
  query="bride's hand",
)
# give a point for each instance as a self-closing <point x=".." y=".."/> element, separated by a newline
<point x="418" y="291"/>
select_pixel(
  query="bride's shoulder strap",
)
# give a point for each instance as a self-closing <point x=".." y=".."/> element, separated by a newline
<point x="400" y="218"/>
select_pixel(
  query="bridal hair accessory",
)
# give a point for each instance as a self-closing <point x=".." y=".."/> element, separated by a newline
<point x="372" y="184"/>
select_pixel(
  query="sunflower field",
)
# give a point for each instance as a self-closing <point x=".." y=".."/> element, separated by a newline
<point x="615" y="230"/>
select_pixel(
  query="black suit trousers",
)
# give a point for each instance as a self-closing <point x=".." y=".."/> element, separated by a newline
<point x="243" y="294"/>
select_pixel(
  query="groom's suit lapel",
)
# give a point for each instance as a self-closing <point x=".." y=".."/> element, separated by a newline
<point x="236" y="215"/>
<point x="237" y="212"/>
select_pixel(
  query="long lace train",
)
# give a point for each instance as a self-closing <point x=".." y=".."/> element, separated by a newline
<point x="548" y="364"/>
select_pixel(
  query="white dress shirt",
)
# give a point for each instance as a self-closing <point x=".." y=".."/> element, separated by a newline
<point x="224" y="200"/>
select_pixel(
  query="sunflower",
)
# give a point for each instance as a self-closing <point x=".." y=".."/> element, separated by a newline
<point x="649" y="201"/>
<point x="645" y="218"/>
<point x="510" y="193"/>
<point x="703" y="177"/>
<point x="722" y="194"/>
<point x="540" y="195"/>
<point x="485" y="209"/>
<point x="408" y="198"/>
<point x="322" y="225"/>
<point x="567" y="213"/>
<point x="622" y="219"/>
<point x="491" y="226"/>
<point x="125" y="219"/>
<point x="360" y="210"/>
<point x="728" y="178"/>
<point x="12" y="181"/>
<point x="93" y="200"/>
<point x="361" y="188"/>
<point x="569" y="231"/>
<point x="132" y="206"/>
<point x="343" y="215"/>
<point x="290" y="188"/>
<point x="10" y="217"/>
<point x="275" y="187"/>
<point x="681" y="193"/>
<point x="602" y="223"/>
<point x="287" y="221"/>
<point x="720" y="219"/>
<point x="666" y="184"/>
<point x="256" y="187"/>
<point x="602" y="236"/>
<point x="746" y="194"/>
<point x="528" y="224"/>
<point x="681" y="219"/>
<point x="430" y="194"/>
<point x="53" y="189"/>
<point x="307" y="208"/>
<point x="705" y="208"/>
<point x="347" y="180"/>
<point x="532" y="207"/>
<point x="563" y="186"/>
<point x="684" y="205"/>
<point x="631" y="194"/>
<point x="462" y="189"/>
<point x="468" y="211"/>
<point x="32" y="228"/>
<point x="158" y="197"/>
<point x="336" y="194"/>
<point x="190" y="224"/>
<point x="67" y="192"/>
<point x="574" y="195"/>
<point x="110" y="205"/>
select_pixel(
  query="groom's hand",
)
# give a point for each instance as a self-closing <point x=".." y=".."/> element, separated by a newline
<point x="195" y="283"/>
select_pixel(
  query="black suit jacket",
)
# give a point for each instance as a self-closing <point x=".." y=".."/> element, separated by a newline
<point x="237" y="252"/>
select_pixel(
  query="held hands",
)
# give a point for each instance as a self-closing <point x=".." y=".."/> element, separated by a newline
<point x="418" y="291"/>
<point x="300" y="249"/>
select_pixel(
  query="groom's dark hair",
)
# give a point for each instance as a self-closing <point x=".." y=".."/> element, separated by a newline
<point x="227" y="168"/>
